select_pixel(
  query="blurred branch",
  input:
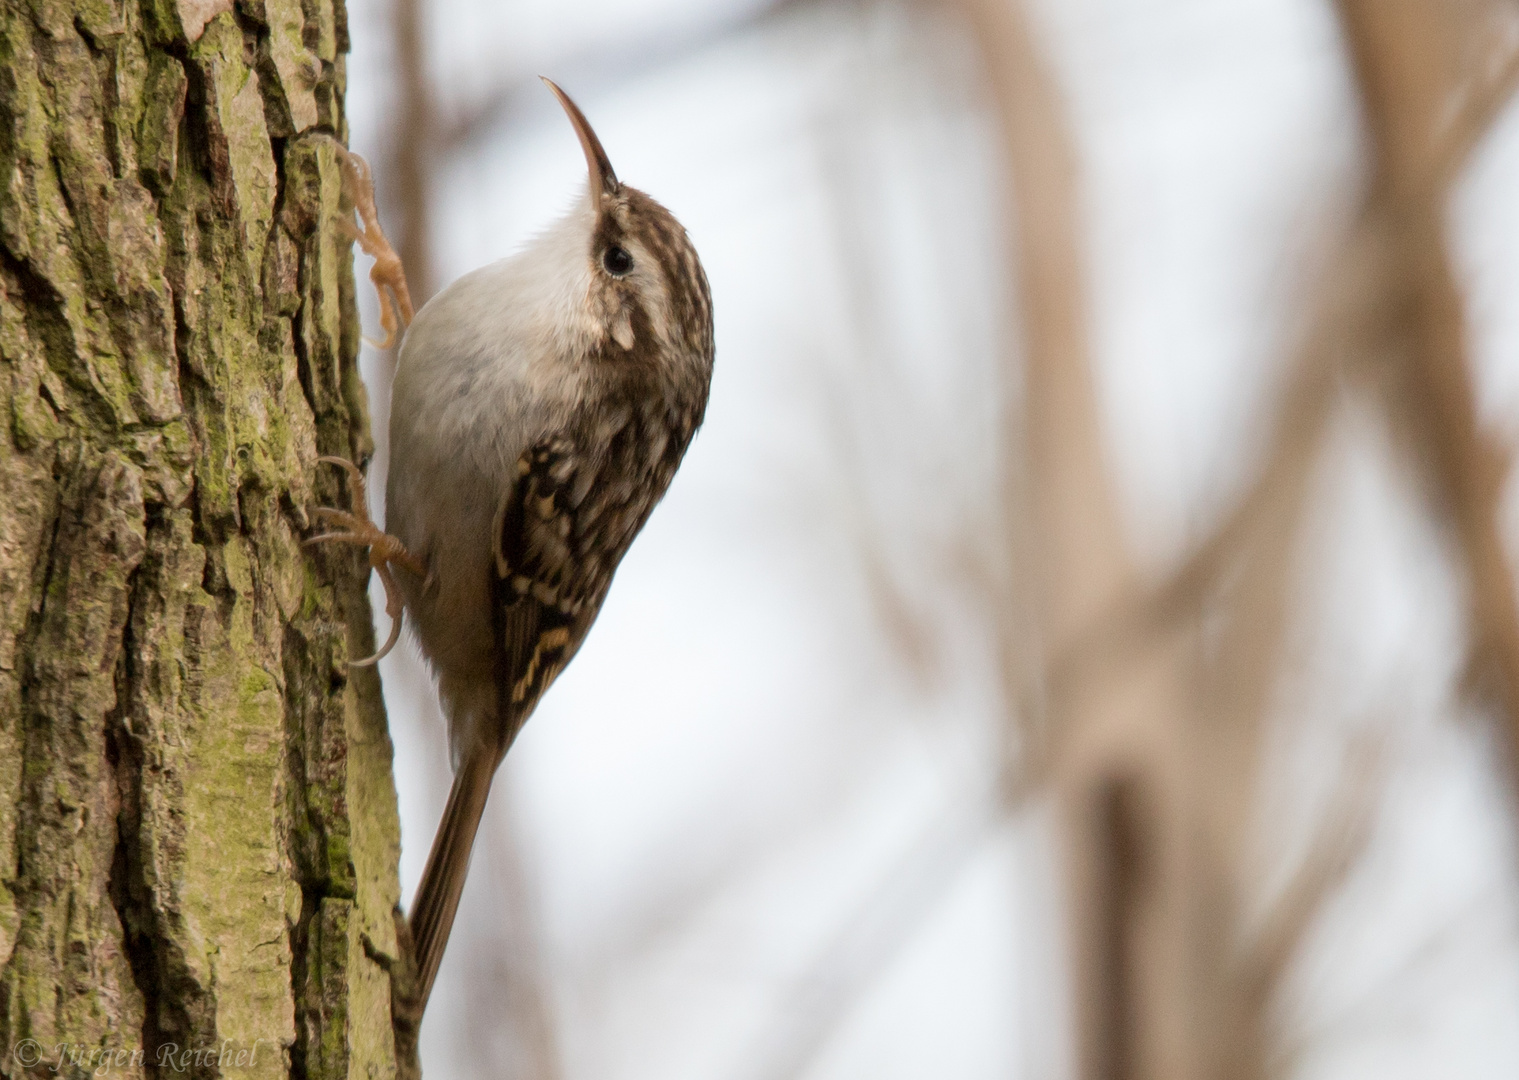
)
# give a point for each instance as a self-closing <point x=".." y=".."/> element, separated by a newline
<point x="1395" y="46"/>
<point x="411" y="152"/>
<point x="1083" y="563"/>
<point x="1355" y="286"/>
<point x="1105" y="748"/>
<point x="1156" y="996"/>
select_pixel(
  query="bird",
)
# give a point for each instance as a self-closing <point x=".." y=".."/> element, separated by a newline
<point x="540" y="408"/>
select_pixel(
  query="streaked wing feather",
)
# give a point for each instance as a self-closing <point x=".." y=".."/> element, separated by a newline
<point x="544" y="597"/>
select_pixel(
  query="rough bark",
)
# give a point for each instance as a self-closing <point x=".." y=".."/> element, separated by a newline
<point x="198" y="832"/>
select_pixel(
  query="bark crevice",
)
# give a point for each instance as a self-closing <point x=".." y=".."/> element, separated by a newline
<point x="177" y="724"/>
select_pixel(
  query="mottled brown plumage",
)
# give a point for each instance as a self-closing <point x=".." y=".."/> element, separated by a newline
<point x="581" y="498"/>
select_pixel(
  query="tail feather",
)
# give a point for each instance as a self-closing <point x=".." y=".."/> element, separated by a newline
<point x="437" y="897"/>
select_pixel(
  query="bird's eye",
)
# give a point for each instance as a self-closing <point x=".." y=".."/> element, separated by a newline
<point x="617" y="261"/>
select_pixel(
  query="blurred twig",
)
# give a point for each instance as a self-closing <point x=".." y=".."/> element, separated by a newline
<point x="1355" y="286"/>
<point x="412" y="157"/>
<point x="1106" y="748"/>
<point x="1396" y="48"/>
<point x="1162" y="997"/>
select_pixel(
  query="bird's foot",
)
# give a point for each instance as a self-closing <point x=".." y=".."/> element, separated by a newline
<point x="356" y="528"/>
<point x="388" y="275"/>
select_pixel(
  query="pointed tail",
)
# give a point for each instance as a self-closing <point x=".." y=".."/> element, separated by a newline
<point x="437" y="898"/>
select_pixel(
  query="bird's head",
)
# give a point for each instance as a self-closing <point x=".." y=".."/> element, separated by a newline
<point x="648" y="293"/>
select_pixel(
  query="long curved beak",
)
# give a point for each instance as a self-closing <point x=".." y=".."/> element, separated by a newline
<point x="603" y="179"/>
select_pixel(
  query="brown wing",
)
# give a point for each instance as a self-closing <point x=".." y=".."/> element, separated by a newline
<point x="549" y="581"/>
<point x="559" y="535"/>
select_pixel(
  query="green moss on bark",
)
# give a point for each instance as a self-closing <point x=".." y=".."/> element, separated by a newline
<point x="194" y="789"/>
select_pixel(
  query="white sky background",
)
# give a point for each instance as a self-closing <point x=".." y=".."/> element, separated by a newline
<point x="752" y="817"/>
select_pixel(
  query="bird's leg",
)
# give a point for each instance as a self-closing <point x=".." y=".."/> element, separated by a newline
<point x="389" y="278"/>
<point x="357" y="529"/>
<point x="388" y="275"/>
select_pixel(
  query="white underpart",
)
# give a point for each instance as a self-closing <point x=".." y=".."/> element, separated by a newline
<point x="490" y="365"/>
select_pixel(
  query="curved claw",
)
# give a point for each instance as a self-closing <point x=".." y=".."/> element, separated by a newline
<point x="383" y="549"/>
<point x="394" y="607"/>
<point x="354" y="473"/>
<point x="390" y="643"/>
<point x="388" y="316"/>
<point x="336" y="538"/>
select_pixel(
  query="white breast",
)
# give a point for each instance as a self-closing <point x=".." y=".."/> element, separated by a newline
<point x="487" y="367"/>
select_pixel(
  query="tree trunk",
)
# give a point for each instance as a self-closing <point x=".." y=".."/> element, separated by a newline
<point x="198" y="828"/>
